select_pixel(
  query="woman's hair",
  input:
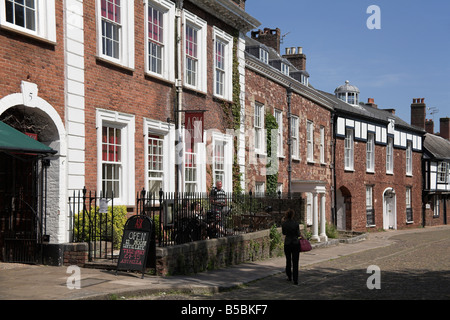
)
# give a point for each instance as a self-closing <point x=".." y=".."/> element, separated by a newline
<point x="289" y="214"/>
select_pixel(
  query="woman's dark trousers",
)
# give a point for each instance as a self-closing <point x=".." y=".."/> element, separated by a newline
<point x="292" y="252"/>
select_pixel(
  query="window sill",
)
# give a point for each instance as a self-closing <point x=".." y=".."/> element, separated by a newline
<point x="159" y="78"/>
<point x="349" y="170"/>
<point x="220" y="98"/>
<point x="114" y="63"/>
<point x="27" y="34"/>
<point x="370" y="171"/>
<point x="194" y="89"/>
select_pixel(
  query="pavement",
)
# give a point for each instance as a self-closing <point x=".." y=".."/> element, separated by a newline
<point x="39" y="282"/>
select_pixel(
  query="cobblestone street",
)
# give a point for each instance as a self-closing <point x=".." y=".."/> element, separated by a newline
<point x="416" y="266"/>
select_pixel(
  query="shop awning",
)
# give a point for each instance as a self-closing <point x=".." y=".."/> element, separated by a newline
<point x="12" y="140"/>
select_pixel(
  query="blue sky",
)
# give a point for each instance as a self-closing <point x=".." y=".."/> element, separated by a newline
<point x="409" y="57"/>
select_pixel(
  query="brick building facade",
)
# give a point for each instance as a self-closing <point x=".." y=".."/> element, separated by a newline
<point x="275" y="86"/>
<point x="378" y="159"/>
<point x="109" y="85"/>
<point x="436" y="165"/>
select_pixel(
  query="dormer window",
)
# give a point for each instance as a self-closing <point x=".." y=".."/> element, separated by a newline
<point x="285" y="68"/>
<point x="304" y="80"/>
<point x="263" y="55"/>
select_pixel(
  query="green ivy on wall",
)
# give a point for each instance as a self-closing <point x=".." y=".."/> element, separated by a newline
<point x="271" y="126"/>
<point x="232" y="111"/>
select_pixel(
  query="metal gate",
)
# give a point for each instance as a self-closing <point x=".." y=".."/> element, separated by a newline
<point x="20" y="208"/>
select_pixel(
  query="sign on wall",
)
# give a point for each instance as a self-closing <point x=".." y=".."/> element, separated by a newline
<point x="193" y="123"/>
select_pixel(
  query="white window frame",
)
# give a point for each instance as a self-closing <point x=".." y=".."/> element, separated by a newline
<point x="191" y="157"/>
<point x="167" y="131"/>
<point x="200" y="26"/>
<point x="369" y="201"/>
<point x="437" y="207"/>
<point x="284" y="68"/>
<point x="295" y="138"/>
<point x="322" y="145"/>
<point x="126" y="35"/>
<point x="258" y="122"/>
<point x="260" y="189"/>
<point x="390" y="156"/>
<point x="408" y="202"/>
<point x="264" y="55"/>
<point x="349" y="149"/>
<point x="370" y="152"/>
<point x="442" y="172"/>
<point x="278" y="114"/>
<point x="167" y="43"/>
<point x="221" y="37"/>
<point x="126" y="123"/>
<point x="225" y="140"/>
<point x="45" y="21"/>
<point x="309" y="141"/>
<point x="409" y="160"/>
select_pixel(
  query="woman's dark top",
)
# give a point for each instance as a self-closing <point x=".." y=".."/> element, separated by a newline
<point x="291" y="230"/>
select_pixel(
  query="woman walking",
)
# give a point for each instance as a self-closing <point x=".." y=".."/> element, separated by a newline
<point x="291" y="230"/>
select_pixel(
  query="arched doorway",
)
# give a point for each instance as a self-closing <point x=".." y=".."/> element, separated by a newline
<point x="32" y="202"/>
<point x="343" y="208"/>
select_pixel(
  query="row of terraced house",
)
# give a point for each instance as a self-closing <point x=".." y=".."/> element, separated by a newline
<point x="103" y="89"/>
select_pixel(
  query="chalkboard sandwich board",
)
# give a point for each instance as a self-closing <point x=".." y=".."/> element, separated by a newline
<point x="135" y="245"/>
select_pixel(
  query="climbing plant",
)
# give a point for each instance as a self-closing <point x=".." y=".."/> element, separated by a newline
<point x="271" y="179"/>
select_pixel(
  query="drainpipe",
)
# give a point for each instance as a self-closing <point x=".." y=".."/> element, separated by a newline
<point x="333" y="168"/>
<point x="179" y="92"/>
<point x="289" y="98"/>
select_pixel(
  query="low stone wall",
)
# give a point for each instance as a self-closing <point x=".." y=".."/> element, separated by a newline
<point x="75" y="254"/>
<point x="212" y="254"/>
<point x="65" y="254"/>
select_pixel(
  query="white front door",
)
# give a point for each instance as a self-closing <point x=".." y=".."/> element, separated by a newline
<point x="390" y="214"/>
<point x="340" y="214"/>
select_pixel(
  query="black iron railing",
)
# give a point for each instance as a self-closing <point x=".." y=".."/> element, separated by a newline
<point x="180" y="217"/>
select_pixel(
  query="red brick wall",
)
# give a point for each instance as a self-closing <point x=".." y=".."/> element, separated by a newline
<point x="134" y="92"/>
<point x="26" y="59"/>
<point x="357" y="180"/>
<point x="273" y="95"/>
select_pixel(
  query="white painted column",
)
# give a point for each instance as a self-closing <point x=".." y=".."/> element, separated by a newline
<point x="75" y="93"/>
<point x="315" y="235"/>
<point x="323" y="234"/>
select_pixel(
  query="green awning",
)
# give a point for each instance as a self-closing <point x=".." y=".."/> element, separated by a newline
<point x="12" y="140"/>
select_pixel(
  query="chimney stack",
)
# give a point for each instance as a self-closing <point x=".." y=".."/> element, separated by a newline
<point x="418" y="112"/>
<point x="445" y="128"/>
<point x="371" y="103"/>
<point x="269" y="37"/>
<point x="240" y="3"/>
<point x="429" y="126"/>
<point x="296" y="57"/>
